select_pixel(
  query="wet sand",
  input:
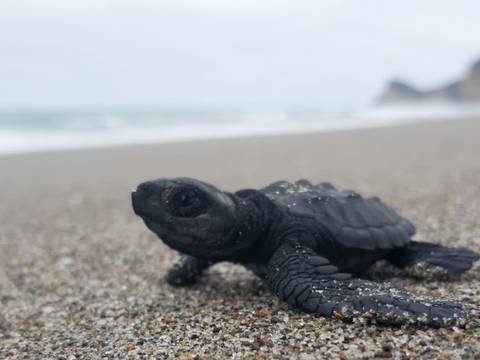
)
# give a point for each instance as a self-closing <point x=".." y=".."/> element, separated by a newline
<point x="81" y="277"/>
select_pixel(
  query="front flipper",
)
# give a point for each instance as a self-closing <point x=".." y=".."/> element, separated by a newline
<point x="187" y="270"/>
<point x="306" y="280"/>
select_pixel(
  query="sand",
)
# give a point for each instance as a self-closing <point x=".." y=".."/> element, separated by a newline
<point x="81" y="277"/>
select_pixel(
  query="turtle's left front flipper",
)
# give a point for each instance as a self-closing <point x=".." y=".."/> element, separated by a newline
<point x="306" y="280"/>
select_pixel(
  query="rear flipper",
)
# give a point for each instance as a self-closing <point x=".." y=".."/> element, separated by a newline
<point x="427" y="260"/>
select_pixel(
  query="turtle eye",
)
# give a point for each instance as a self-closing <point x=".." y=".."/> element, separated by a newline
<point x="187" y="202"/>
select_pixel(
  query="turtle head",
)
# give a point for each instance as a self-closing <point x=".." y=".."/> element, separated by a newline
<point x="188" y="215"/>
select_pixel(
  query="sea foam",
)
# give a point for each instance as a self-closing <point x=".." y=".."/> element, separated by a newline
<point x="22" y="132"/>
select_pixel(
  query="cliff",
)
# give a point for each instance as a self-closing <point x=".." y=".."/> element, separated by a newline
<point x="465" y="89"/>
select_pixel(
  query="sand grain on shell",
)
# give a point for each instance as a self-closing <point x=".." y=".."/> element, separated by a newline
<point x="80" y="276"/>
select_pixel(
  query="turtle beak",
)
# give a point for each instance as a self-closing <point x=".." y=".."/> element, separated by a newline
<point x="142" y="202"/>
<point x="138" y="200"/>
<point x="135" y="202"/>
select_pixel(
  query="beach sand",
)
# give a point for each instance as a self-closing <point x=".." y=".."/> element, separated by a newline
<point x="81" y="277"/>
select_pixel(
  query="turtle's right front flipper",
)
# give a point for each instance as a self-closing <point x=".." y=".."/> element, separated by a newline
<point x="306" y="280"/>
<point x="187" y="270"/>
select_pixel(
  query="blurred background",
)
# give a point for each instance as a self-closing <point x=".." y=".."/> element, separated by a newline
<point x="93" y="73"/>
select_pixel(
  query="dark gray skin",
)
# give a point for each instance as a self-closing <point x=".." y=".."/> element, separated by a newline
<point x="309" y="243"/>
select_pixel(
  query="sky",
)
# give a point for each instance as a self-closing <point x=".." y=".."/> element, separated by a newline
<point x="270" y="54"/>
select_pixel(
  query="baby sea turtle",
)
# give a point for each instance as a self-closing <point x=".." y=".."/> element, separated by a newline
<point x="310" y="243"/>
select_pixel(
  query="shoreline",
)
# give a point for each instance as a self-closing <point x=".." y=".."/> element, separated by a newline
<point x="302" y="131"/>
<point x="293" y="129"/>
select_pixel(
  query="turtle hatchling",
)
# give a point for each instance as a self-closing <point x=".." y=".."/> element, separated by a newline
<point x="310" y="243"/>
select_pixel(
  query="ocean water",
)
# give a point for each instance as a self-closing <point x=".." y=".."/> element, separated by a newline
<point x="24" y="131"/>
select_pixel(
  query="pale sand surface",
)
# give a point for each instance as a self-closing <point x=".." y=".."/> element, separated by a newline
<point x="81" y="277"/>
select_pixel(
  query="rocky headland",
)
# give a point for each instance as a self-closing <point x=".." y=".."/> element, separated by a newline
<point x="466" y="89"/>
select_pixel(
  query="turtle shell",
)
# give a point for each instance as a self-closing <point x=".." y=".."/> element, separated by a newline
<point x="353" y="221"/>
